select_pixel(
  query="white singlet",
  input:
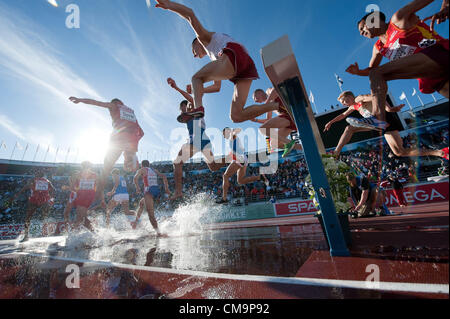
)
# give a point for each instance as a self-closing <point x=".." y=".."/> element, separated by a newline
<point x="218" y="42"/>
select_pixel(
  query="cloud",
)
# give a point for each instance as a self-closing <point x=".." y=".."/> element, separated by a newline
<point x="29" y="56"/>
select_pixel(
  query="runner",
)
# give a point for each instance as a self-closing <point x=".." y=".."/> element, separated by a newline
<point x="41" y="192"/>
<point x="284" y="123"/>
<point x="238" y="166"/>
<point x="119" y="195"/>
<point x="86" y="188"/>
<point x="151" y="191"/>
<point x="124" y="139"/>
<point x="230" y="61"/>
<point x="363" y="105"/>
<point x="198" y="141"/>
<point x="415" y="52"/>
<point x="72" y="196"/>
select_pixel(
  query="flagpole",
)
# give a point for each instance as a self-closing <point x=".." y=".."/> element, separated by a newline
<point x="339" y="83"/>
<point x="56" y="155"/>
<point x="45" y="156"/>
<point x="421" y="102"/>
<point x="410" y="107"/>
<point x="14" y="149"/>
<point x="24" y="152"/>
<point x="76" y="157"/>
<point x="37" y="149"/>
<point x="67" y="155"/>
<point x="434" y="98"/>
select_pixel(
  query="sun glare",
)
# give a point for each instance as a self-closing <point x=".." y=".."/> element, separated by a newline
<point x="92" y="145"/>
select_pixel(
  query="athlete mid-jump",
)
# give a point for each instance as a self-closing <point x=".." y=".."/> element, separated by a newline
<point x="229" y="61"/>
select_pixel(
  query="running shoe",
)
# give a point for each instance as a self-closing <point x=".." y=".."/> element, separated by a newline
<point x="288" y="148"/>
<point x="446" y="151"/>
<point x="184" y="118"/>
<point x="222" y="202"/>
<point x="371" y="123"/>
<point x="198" y="112"/>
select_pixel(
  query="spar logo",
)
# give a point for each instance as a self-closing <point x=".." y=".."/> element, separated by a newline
<point x="301" y="207"/>
<point x="421" y="194"/>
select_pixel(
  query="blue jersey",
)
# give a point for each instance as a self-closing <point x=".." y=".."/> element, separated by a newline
<point x="122" y="187"/>
<point x="197" y="135"/>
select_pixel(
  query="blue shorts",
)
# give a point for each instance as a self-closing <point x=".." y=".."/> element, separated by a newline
<point x="154" y="191"/>
<point x="204" y="142"/>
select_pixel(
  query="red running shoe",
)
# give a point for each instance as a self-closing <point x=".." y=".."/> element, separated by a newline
<point x="184" y="118"/>
<point x="446" y="151"/>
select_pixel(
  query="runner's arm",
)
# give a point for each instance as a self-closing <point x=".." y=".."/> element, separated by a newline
<point x="441" y="16"/>
<point x="213" y="88"/>
<point x="91" y="102"/>
<point x="375" y="61"/>
<point x="185" y="94"/>
<point x="410" y="9"/>
<point x="339" y="118"/>
<point x="188" y="14"/>
<point x="164" y="178"/>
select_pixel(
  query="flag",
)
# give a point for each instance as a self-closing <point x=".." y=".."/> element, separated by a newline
<point x="339" y="80"/>
<point x="26" y="149"/>
<point x="3" y="145"/>
<point x="311" y="97"/>
<point x="403" y="96"/>
<point x="414" y="92"/>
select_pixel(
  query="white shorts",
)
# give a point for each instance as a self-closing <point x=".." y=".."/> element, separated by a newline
<point x="120" y="198"/>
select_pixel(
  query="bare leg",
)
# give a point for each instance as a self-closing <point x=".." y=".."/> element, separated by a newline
<point x="131" y="162"/>
<point x="111" y="205"/>
<point x="232" y="169"/>
<point x="149" y="204"/>
<point x="242" y="179"/>
<point x="240" y="114"/>
<point x="139" y="213"/>
<point x="412" y="67"/>
<point x="346" y="138"/>
<point x="67" y="212"/>
<point x="110" y="160"/>
<point x="126" y="209"/>
<point x="30" y="212"/>
<point x="223" y="69"/>
<point x="186" y="153"/>
<point x="395" y="142"/>
<point x="212" y="164"/>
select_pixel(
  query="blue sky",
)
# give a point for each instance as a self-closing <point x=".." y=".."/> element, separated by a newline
<point x="124" y="50"/>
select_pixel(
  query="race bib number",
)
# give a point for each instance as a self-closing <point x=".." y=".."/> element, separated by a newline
<point x="127" y="115"/>
<point x="41" y="186"/>
<point x="397" y="51"/>
<point x="124" y="184"/>
<point x="87" y="185"/>
<point x="365" y="113"/>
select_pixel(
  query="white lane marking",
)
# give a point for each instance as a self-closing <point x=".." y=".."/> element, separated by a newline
<point x="331" y="283"/>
